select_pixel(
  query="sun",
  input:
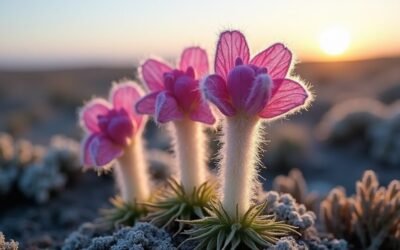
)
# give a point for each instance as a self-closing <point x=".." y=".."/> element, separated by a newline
<point x="334" y="40"/>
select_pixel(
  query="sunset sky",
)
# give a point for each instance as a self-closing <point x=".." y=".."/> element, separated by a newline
<point x="53" y="33"/>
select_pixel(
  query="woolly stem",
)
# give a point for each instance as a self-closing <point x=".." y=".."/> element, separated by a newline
<point x="131" y="173"/>
<point x="238" y="169"/>
<point x="189" y="150"/>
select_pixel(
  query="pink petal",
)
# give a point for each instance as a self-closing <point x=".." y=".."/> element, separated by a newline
<point x="214" y="90"/>
<point x="287" y="95"/>
<point x="124" y="96"/>
<point x="90" y="112"/>
<point x="103" y="151"/>
<point x="276" y="59"/>
<point x="167" y="108"/>
<point x="260" y="94"/>
<point x="152" y="72"/>
<point x="196" y="58"/>
<point x="203" y="114"/>
<point x="86" y="157"/>
<point x="231" y="45"/>
<point x="147" y="105"/>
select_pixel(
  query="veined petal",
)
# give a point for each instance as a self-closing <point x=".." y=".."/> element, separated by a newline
<point x="167" y="108"/>
<point x="260" y="94"/>
<point x="124" y="96"/>
<point x="196" y="58"/>
<point x="276" y="59"/>
<point x="91" y="111"/>
<point x="214" y="90"/>
<point x="147" y="105"/>
<point x="152" y="72"/>
<point x="287" y="96"/>
<point x="203" y="114"/>
<point x="231" y="45"/>
<point x="103" y="151"/>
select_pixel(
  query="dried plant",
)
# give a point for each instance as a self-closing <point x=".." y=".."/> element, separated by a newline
<point x="7" y="245"/>
<point x="370" y="219"/>
<point x="295" y="184"/>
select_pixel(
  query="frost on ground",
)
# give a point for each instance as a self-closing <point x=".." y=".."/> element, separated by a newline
<point x="141" y="236"/>
<point x="35" y="171"/>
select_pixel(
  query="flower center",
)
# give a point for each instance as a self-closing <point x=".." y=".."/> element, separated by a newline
<point x="118" y="126"/>
<point x="184" y="87"/>
<point x="248" y="83"/>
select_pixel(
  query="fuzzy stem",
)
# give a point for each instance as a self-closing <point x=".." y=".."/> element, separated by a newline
<point x="131" y="173"/>
<point x="189" y="149"/>
<point x="238" y="169"/>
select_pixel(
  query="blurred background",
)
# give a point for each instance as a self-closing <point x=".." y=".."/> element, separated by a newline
<point x="55" y="55"/>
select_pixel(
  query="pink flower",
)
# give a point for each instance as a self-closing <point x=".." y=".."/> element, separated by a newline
<point x="255" y="87"/>
<point x="175" y="92"/>
<point x="110" y="125"/>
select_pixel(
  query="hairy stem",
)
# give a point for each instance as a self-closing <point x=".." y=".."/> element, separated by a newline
<point x="131" y="173"/>
<point x="238" y="168"/>
<point x="190" y="152"/>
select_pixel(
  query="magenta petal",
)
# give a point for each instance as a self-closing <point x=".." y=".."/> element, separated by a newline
<point x="287" y="95"/>
<point x="203" y="114"/>
<point x="152" y="72"/>
<point x="147" y="105"/>
<point x="214" y="90"/>
<point x="104" y="151"/>
<point x="276" y="59"/>
<point x="231" y="45"/>
<point x="260" y="94"/>
<point x="124" y="96"/>
<point x="87" y="158"/>
<point x="196" y="58"/>
<point x="90" y="113"/>
<point x="167" y="108"/>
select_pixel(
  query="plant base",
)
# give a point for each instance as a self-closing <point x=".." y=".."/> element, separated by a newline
<point x="122" y="213"/>
<point x="174" y="203"/>
<point x="252" y="230"/>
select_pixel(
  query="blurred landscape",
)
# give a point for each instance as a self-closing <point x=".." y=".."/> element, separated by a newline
<point x="35" y="105"/>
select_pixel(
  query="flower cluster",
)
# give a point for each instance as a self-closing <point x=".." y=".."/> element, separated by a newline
<point x="246" y="91"/>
